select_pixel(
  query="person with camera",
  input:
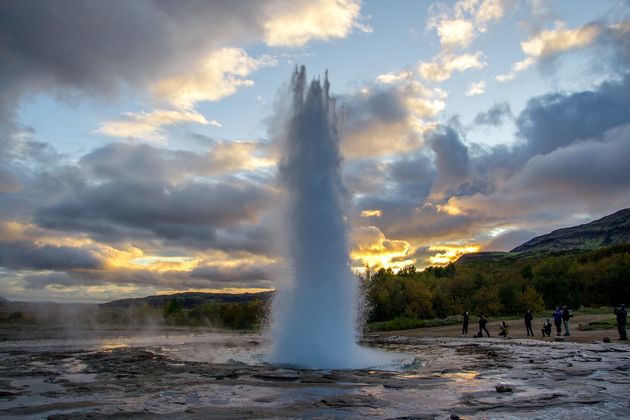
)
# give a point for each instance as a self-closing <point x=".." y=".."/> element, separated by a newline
<point x="546" y="329"/>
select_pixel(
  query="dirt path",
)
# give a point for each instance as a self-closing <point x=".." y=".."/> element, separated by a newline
<point x="517" y="330"/>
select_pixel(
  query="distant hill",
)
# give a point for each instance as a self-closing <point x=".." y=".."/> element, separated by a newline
<point x="609" y="230"/>
<point x="4" y="300"/>
<point x="189" y="300"/>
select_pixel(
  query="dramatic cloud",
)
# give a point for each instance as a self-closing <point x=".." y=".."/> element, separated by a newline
<point x="148" y="125"/>
<point x="450" y="252"/>
<point x="76" y="46"/>
<point x="219" y="75"/>
<point x="443" y="66"/>
<point x="27" y="255"/>
<point x="559" y="39"/>
<point x="49" y="260"/>
<point x="549" y="43"/>
<point x="60" y="47"/>
<point x="234" y="276"/>
<point x="495" y="115"/>
<point x="372" y="248"/>
<point x="193" y="214"/>
<point x="144" y="163"/>
<point x="556" y="120"/>
<point x="490" y="10"/>
<point x="569" y="162"/>
<point x="387" y="119"/>
<point x="459" y="26"/>
<point x="451" y="159"/>
<point x="371" y="213"/>
<point x="476" y="88"/>
<point x="9" y="182"/>
<point x="401" y="184"/>
<point x="295" y="24"/>
<point x="457" y="32"/>
<point x="590" y="176"/>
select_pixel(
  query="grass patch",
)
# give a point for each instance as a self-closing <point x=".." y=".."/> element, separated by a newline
<point x="405" y="323"/>
<point x="602" y="324"/>
<point x="593" y="311"/>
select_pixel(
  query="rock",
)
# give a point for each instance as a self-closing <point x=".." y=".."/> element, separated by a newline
<point x="4" y="394"/>
<point x="454" y="417"/>
<point x="276" y="378"/>
<point x="232" y="375"/>
<point x="606" y="339"/>
<point x="558" y="339"/>
<point x="503" y="388"/>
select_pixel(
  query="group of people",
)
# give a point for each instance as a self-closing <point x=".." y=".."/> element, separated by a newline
<point x="504" y="328"/>
<point x="561" y="318"/>
<point x="483" y="326"/>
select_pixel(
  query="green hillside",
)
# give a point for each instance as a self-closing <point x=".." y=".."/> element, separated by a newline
<point x="609" y="230"/>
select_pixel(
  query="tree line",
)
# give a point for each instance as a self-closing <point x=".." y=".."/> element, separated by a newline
<point x="507" y="286"/>
<point x="500" y="287"/>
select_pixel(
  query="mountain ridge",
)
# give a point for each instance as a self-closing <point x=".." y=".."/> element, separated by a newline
<point x="608" y="230"/>
<point x="189" y="299"/>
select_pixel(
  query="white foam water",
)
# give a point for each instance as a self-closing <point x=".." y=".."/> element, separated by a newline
<point x="315" y="311"/>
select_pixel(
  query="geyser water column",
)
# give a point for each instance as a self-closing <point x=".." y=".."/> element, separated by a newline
<point x="315" y="316"/>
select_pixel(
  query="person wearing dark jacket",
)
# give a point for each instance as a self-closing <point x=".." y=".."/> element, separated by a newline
<point x="546" y="329"/>
<point x="622" y="319"/>
<point x="566" y="319"/>
<point x="557" y="320"/>
<point x="465" y="324"/>
<point x="528" y="323"/>
<point x="482" y="326"/>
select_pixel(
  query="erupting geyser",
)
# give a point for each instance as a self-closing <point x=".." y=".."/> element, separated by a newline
<point x="315" y="313"/>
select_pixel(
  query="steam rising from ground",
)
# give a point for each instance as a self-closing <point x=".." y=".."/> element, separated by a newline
<point x="315" y="317"/>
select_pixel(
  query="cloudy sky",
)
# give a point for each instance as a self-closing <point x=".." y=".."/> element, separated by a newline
<point x="137" y="151"/>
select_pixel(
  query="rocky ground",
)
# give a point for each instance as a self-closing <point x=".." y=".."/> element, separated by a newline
<point x="221" y="376"/>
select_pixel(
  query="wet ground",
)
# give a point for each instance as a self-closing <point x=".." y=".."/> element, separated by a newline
<point x="224" y="376"/>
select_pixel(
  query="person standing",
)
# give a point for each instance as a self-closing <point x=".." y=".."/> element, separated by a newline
<point x="528" y="323"/>
<point x="557" y="320"/>
<point x="465" y="324"/>
<point x="482" y="326"/>
<point x="566" y="318"/>
<point x="622" y="319"/>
